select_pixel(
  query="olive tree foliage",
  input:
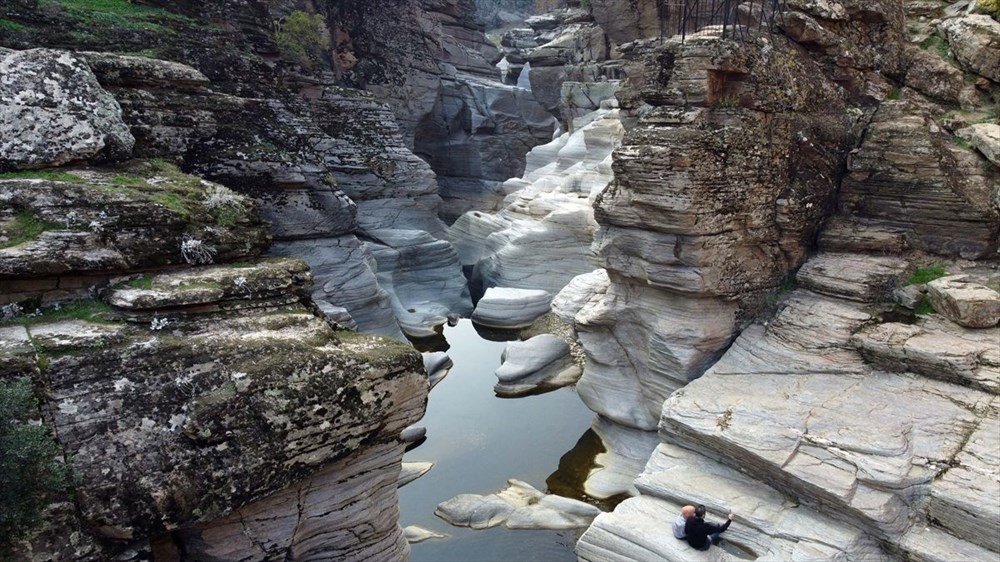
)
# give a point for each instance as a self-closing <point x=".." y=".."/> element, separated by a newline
<point x="302" y="38"/>
<point x="30" y="473"/>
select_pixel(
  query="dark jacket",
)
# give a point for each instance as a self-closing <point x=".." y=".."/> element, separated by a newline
<point x="697" y="531"/>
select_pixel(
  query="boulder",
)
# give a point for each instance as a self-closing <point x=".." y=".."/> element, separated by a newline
<point x="503" y="307"/>
<point x="53" y="111"/>
<point x="975" y="40"/>
<point x="960" y="300"/>
<point x="933" y="76"/>
<point x="984" y="137"/>
<point x="519" y="506"/>
<point x="539" y="364"/>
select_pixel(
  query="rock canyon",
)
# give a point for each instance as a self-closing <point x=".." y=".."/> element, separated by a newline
<point x="758" y="240"/>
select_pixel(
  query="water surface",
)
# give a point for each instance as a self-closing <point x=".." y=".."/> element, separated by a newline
<point x="477" y="442"/>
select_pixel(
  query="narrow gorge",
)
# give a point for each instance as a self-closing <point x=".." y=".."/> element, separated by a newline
<point x="499" y="280"/>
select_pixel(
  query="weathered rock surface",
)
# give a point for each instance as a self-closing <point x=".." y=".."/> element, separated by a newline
<point x="519" y="506"/>
<point x="423" y="278"/>
<point x="542" y="237"/>
<point x="106" y="221"/>
<point x="537" y="364"/>
<point x="985" y="137"/>
<point x="962" y="301"/>
<point x="626" y="451"/>
<point x="511" y="308"/>
<point x="53" y="111"/>
<point x="975" y="40"/>
<point x="851" y="276"/>
<point x="266" y="401"/>
<point x="910" y="175"/>
<point x="344" y="273"/>
<point x="641" y="344"/>
<point x="937" y="349"/>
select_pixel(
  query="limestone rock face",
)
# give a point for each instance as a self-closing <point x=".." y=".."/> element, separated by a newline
<point x="344" y="270"/>
<point x="970" y="304"/>
<point x="627" y="22"/>
<point x="205" y="391"/>
<point x="910" y="176"/>
<point x="53" y="111"/>
<point x="99" y="222"/>
<point x="975" y="40"/>
<point x="939" y="350"/>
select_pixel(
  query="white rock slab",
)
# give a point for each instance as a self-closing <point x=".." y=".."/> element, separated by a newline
<point x="539" y="364"/>
<point x="504" y="307"/>
<point x="413" y="470"/>
<point x="966" y="303"/>
<point x="519" y="506"/>
<point x="415" y="534"/>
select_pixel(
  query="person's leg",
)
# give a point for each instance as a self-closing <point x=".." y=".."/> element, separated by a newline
<point x="714" y="538"/>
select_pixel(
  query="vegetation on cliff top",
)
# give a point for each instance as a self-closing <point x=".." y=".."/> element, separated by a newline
<point x="30" y="475"/>
<point x="302" y="38"/>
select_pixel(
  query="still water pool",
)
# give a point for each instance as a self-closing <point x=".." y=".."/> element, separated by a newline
<point x="477" y="441"/>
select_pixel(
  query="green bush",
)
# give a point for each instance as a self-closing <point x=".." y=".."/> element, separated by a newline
<point x="991" y="7"/>
<point x="30" y="475"/>
<point x="302" y="38"/>
<point x="926" y="275"/>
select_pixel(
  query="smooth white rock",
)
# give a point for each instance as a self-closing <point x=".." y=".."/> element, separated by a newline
<point x="519" y="506"/>
<point x="503" y="307"/>
<point x="542" y="362"/>
<point x="415" y="534"/>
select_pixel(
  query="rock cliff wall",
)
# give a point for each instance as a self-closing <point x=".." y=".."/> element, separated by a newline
<point x="814" y="398"/>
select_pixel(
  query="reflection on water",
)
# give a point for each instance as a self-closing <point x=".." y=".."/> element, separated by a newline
<point x="478" y="441"/>
<point x="575" y="466"/>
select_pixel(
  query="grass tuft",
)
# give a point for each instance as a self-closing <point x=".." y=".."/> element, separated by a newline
<point x="40" y="175"/>
<point x="24" y="228"/>
<point x="926" y="275"/>
<point x="89" y="310"/>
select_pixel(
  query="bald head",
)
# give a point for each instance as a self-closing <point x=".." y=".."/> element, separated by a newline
<point x="688" y="511"/>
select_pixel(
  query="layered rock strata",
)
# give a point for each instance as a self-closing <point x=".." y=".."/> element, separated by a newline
<point x="835" y="414"/>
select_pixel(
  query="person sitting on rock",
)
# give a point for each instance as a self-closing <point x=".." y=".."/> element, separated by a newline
<point x="687" y="512"/>
<point x="700" y="534"/>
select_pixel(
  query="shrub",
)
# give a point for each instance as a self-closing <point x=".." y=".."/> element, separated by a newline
<point x="991" y="7"/>
<point x="302" y="38"/>
<point x="30" y="475"/>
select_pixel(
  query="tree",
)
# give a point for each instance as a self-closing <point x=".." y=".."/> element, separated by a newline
<point x="30" y="475"/>
<point x="302" y="38"/>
